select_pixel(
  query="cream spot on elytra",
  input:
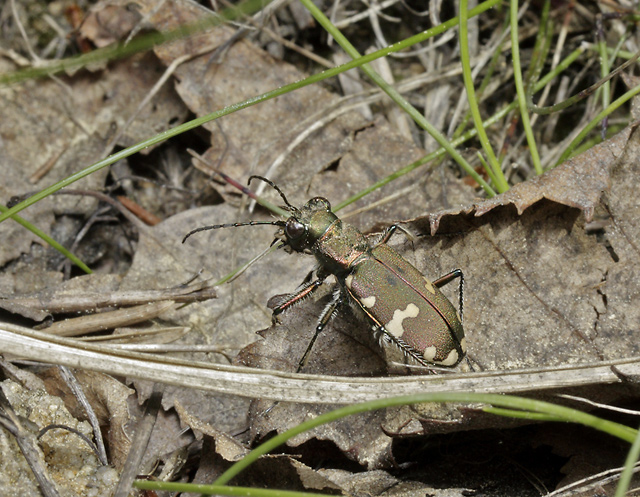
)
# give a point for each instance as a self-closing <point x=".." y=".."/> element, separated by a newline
<point x="368" y="302"/>
<point x="348" y="281"/>
<point x="429" y="353"/>
<point x="451" y="359"/>
<point x="395" y="325"/>
<point x="429" y="286"/>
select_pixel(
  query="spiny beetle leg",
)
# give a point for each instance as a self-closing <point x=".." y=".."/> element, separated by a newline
<point x="384" y="336"/>
<point x="448" y="278"/>
<point x="389" y="232"/>
<point x="326" y="315"/>
<point x="295" y="298"/>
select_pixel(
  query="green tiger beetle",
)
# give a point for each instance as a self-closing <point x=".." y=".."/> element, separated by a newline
<point x="404" y="308"/>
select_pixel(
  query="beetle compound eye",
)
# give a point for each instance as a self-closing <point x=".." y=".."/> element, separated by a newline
<point x="294" y="229"/>
<point x="321" y="203"/>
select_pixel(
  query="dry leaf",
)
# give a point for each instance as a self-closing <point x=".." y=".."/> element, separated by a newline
<point x="106" y="24"/>
<point x="542" y="289"/>
<point x="109" y="400"/>
<point x="338" y="352"/>
<point x="70" y="461"/>
<point x="578" y="182"/>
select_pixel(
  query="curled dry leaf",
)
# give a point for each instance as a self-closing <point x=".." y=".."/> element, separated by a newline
<point x="579" y="182"/>
<point x="285" y="472"/>
<point x="542" y="287"/>
<point x="225" y="445"/>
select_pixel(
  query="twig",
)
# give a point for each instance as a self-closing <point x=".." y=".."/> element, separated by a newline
<point x="139" y="443"/>
<point x="77" y="390"/>
<point x="277" y="385"/>
<point x="29" y="447"/>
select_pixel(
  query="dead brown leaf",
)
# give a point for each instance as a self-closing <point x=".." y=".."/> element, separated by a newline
<point x="344" y="353"/>
<point x="286" y="473"/>
<point x="225" y="445"/>
<point x="70" y="461"/>
<point x="108" y="398"/>
<point x="540" y="285"/>
<point x="66" y="124"/>
<point x="578" y="182"/>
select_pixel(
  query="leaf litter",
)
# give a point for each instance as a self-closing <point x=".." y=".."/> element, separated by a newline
<point x="543" y="286"/>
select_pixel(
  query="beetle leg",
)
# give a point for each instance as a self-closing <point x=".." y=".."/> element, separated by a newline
<point x="388" y="233"/>
<point x="305" y="291"/>
<point x="448" y="278"/>
<point x="384" y="337"/>
<point x="327" y="313"/>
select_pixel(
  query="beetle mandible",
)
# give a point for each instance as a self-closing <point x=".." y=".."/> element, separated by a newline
<point x="404" y="308"/>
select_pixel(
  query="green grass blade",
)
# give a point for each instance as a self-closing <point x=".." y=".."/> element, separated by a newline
<point x="629" y="466"/>
<point x="41" y="234"/>
<point x="560" y="412"/>
<point x="522" y="98"/>
<point x="494" y="170"/>
<point x="176" y="487"/>
<point x="395" y="95"/>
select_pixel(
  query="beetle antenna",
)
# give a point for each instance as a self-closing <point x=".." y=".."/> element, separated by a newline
<point x="233" y="225"/>
<point x="276" y="188"/>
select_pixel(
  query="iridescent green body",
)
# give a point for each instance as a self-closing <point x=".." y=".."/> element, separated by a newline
<point x="408" y="309"/>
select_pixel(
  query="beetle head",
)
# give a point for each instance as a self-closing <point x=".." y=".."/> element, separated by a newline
<point x="307" y="225"/>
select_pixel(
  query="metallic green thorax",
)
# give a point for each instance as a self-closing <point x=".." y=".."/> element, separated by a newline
<point x="406" y="308"/>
